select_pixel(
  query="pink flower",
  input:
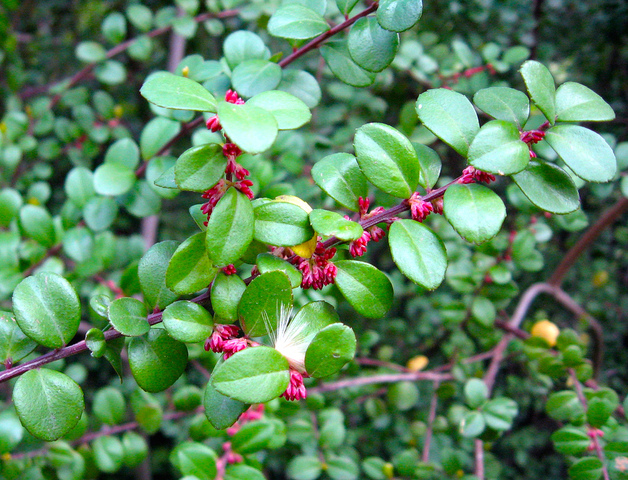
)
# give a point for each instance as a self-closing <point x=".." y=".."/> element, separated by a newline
<point x="229" y="269"/>
<point x="296" y="389"/>
<point x="419" y="209"/>
<point x="357" y="248"/>
<point x="317" y="270"/>
<point x="232" y="97"/>
<point x="234" y="345"/>
<point x="214" y="194"/>
<point x="472" y="175"/>
<point x="231" y="151"/>
<point x="222" y="333"/>
<point x="213" y="124"/>
<point x="235" y="168"/>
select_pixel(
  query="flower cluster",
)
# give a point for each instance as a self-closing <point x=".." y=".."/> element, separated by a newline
<point x="419" y="209"/>
<point x="255" y="412"/>
<point x="357" y="248"/>
<point x="213" y="123"/>
<point x="472" y="175"/>
<point x="224" y="340"/>
<point x="229" y="269"/>
<point x="531" y="137"/>
<point x="317" y="270"/>
<point x="296" y="389"/>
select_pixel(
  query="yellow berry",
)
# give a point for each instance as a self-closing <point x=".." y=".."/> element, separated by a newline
<point x="546" y="330"/>
<point x="118" y="110"/>
<point x="600" y="279"/>
<point x="417" y="363"/>
<point x="185" y="71"/>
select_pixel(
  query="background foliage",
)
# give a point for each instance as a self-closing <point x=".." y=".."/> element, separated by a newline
<point x="81" y="149"/>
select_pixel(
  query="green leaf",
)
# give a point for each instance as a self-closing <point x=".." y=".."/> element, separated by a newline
<point x="48" y="403"/>
<point x="370" y="46"/>
<point x="499" y="413"/>
<point x="267" y="262"/>
<point x="114" y="27"/>
<point x="37" y="224"/>
<point x="220" y="410"/>
<point x="187" y="322"/>
<point x="251" y="128"/>
<point x="341" y="178"/>
<point x="242" y="45"/>
<point x="342" y="468"/>
<point x="109" y="406"/>
<point x="282" y="224"/>
<point x="128" y="316"/>
<point x="47" y="309"/>
<point x="302" y="85"/>
<point x="577" y="103"/>
<point x="571" y="440"/>
<point x="450" y="116"/>
<point x="330" y="350"/>
<point x="498" y="149"/>
<point x="585" y="152"/>
<point x="226" y="292"/>
<point x="418" y="252"/>
<point x="399" y="15"/>
<point x="472" y="424"/>
<point x="173" y="91"/>
<point x="156" y="134"/>
<point x="343" y="67"/>
<point x="304" y="467"/>
<point x="289" y="111"/>
<point x="430" y="165"/>
<point x="113" y="179"/>
<point x="541" y="87"/>
<point x="599" y="411"/>
<point x="189" y="269"/>
<point x="255" y="76"/>
<point x="156" y="360"/>
<point x="328" y="223"/>
<point x="587" y="468"/>
<point x="230" y="228"/>
<point x="475" y="392"/>
<point x="14" y="345"/>
<point x="475" y="211"/>
<point x="152" y="273"/>
<point x="253" y="437"/>
<point x="11" y="201"/>
<point x="548" y="187"/>
<point x="100" y="212"/>
<point x="403" y="395"/>
<point x="199" y="168"/>
<point x="564" y="405"/>
<point x="11" y="431"/>
<point x="296" y="22"/>
<point x="387" y="158"/>
<point x="263" y="298"/>
<point x="503" y="103"/>
<point x="91" y="52"/>
<point x="195" y="459"/>
<point x="79" y="187"/>
<point x="243" y="472"/>
<point x="135" y="449"/>
<point x="253" y="375"/>
<point x="366" y="288"/>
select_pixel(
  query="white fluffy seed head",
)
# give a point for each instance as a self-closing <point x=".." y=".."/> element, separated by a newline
<point x="290" y="338"/>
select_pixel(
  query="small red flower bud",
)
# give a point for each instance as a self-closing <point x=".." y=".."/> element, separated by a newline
<point x="419" y="209"/>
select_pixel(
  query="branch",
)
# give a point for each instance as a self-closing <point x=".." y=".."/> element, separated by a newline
<point x="389" y="378"/>
<point x="430" y="425"/>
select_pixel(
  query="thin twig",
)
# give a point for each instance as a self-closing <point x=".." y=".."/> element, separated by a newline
<point x="390" y="378"/>
<point x="430" y="424"/>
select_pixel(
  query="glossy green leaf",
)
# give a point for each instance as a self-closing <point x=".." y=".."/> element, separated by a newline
<point x="599" y="411"/>
<point x="79" y="187"/>
<point x="475" y="211"/>
<point x="399" y="15"/>
<point x="341" y="178"/>
<point x="109" y="406"/>
<point x="498" y="149"/>
<point x="95" y="341"/>
<point x="564" y="405"/>
<point x="100" y="212"/>
<point x="243" y="472"/>
<point x="345" y="6"/>
<point x="242" y="45"/>
<point x="387" y="158"/>
<point x="11" y="202"/>
<point x="156" y="360"/>
<point x="366" y="288"/>
<point x="199" y="168"/>
<point x="113" y="179"/>
<point x="548" y="187"/>
<point x="282" y="224"/>
<point x="230" y="228"/>
<point x="450" y="116"/>
<point x="577" y="103"/>
<point x="503" y="103"/>
<point x="499" y="413"/>
<point x="11" y="431"/>
<point x="343" y="67"/>
<point x="47" y="309"/>
<point x="195" y="459"/>
<point x="113" y="349"/>
<point x="263" y="298"/>
<point x="156" y="134"/>
<point x="189" y="269"/>
<point x="124" y="152"/>
<point x="255" y="76"/>
<point x="328" y="223"/>
<point x="90" y="52"/>
<point x="587" y="468"/>
<point x="114" y="27"/>
<point x="253" y="375"/>
<point x="48" y="403"/>
<point x="475" y="392"/>
<point x="418" y="252"/>
<point x="296" y="22"/>
<point x="472" y="424"/>
<point x="226" y="292"/>
<point x="187" y="322"/>
<point x="253" y="437"/>
<point x="571" y="440"/>
<point x="128" y="316"/>
<point x="431" y="165"/>
<point x="135" y="449"/>
<point x="37" y="224"/>
<point x="152" y="274"/>
<point x="289" y="111"/>
<point x="370" y="46"/>
<point x="220" y="410"/>
<point x="585" y="152"/>
<point x="304" y="467"/>
<point x="267" y="262"/>
<point x="14" y="345"/>
<point x="173" y="91"/>
<point x="541" y="87"/>
<point x="302" y="85"/>
<point x="330" y="350"/>
<point x="251" y="128"/>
